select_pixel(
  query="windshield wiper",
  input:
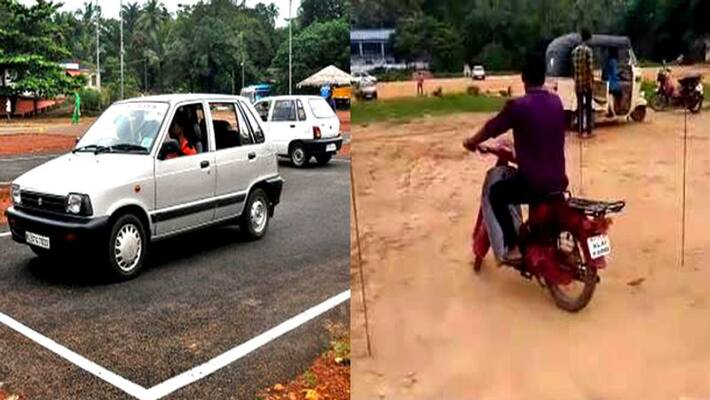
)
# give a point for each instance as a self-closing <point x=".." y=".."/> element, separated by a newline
<point x="92" y="147"/>
<point x="127" y="147"/>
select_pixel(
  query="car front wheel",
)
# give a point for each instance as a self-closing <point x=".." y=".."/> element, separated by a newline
<point x="255" y="218"/>
<point x="127" y="247"/>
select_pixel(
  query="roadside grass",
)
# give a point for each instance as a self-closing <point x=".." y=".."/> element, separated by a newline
<point x="407" y="108"/>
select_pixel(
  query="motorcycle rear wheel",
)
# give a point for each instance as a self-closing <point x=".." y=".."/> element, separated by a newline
<point x="695" y="105"/>
<point x="587" y="277"/>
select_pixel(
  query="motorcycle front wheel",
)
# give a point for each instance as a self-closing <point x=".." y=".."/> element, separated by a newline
<point x="658" y="102"/>
<point x="577" y="294"/>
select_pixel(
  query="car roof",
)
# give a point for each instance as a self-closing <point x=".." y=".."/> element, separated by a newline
<point x="180" y="97"/>
<point x="291" y="97"/>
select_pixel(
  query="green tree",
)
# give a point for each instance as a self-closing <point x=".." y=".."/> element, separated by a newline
<point x="315" y="47"/>
<point x="322" y="11"/>
<point x="32" y="46"/>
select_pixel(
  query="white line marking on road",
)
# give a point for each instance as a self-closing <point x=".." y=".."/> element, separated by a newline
<point x="3" y="234"/>
<point x="29" y="158"/>
<point x="221" y="361"/>
<point x="127" y="386"/>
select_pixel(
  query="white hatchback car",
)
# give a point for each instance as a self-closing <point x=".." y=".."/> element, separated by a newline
<point x="147" y="169"/>
<point x="301" y="127"/>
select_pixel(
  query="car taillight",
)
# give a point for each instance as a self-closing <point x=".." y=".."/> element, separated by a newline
<point x="316" y="132"/>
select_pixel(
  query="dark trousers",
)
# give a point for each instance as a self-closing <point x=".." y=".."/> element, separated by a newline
<point x="503" y="194"/>
<point x="584" y="109"/>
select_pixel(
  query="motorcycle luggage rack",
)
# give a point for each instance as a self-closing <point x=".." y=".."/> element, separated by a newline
<point x="595" y="207"/>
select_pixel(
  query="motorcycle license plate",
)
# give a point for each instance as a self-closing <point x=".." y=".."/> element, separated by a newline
<point x="331" y="147"/>
<point x="599" y="246"/>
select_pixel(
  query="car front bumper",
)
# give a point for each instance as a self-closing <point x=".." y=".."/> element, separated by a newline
<point x="64" y="232"/>
<point x="320" y="146"/>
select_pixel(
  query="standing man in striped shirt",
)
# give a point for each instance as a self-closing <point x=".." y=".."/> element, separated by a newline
<point x="582" y="62"/>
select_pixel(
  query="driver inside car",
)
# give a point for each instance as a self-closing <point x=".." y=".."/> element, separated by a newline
<point x="177" y="132"/>
<point x="538" y="123"/>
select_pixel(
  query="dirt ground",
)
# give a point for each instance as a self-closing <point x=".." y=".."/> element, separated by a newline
<point x="495" y="84"/>
<point x="35" y="144"/>
<point x="438" y="330"/>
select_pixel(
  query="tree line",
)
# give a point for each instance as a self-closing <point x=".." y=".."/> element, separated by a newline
<point x="449" y="33"/>
<point x="199" y="48"/>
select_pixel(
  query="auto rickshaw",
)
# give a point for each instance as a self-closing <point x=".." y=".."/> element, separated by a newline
<point x="629" y="104"/>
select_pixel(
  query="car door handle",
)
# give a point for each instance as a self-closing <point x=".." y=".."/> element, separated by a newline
<point x="251" y="155"/>
<point x="292" y="125"/>
<point x="204" y="164"/>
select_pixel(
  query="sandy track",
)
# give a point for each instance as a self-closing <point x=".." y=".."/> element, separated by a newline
<point x="494" y="84"/>
<point x="438" y="330"/>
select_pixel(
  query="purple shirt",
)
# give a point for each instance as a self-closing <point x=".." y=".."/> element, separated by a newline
<point x="538" y="123"/>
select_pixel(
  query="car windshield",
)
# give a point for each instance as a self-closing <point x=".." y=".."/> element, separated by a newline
<point x="128" y="127"/>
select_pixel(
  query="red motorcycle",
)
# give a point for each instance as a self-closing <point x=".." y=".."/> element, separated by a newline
<point x="564" y="242"/>
<point x="689" y="95"/>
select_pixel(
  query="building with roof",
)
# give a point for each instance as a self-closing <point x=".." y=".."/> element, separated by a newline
<point x="370" y="48"/>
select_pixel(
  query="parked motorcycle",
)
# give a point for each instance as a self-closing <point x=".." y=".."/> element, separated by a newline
<point x="564" y="242"/>
<point x="690" y="95"/>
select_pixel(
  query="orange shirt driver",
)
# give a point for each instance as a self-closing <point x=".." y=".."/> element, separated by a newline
<point x="177" y="132"/>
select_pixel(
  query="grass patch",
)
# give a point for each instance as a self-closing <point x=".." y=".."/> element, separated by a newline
<point x="404" y="109"/>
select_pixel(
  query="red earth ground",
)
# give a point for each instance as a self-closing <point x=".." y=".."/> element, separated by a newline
<point x="4" y="204"/>
<point x="23" y="144"/>
<point x="332" y="382"/>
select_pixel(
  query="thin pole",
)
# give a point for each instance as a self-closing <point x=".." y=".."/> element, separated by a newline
<point x="685" y="155"/>
<point x="290" y="51"/>
<point x="359" y="262"/>
<point x="98" y="57"/>
<point x="121" y="15"/>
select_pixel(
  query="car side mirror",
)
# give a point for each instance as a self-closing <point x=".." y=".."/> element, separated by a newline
<point x="264" y="117"/>
<point x="169" y="146"/>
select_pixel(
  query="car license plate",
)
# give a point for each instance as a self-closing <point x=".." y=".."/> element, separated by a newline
<point x="37" y="240"/>
<point x="331" y="147"/>
<point x="599" y="246"/>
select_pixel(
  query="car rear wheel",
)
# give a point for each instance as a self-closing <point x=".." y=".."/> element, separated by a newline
<point x="299" y="156"/>
<point x="127" y="247"/>
<point x="324" y="158"/>
<point x="255" y="218"/>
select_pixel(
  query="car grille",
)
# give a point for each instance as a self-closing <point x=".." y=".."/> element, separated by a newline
<point x="43" y="202"/>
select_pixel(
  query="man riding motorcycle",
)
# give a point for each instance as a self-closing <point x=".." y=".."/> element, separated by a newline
<point x="538" y="123"/>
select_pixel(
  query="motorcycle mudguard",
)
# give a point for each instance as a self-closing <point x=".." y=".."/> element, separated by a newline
<point x="495" y="233"/>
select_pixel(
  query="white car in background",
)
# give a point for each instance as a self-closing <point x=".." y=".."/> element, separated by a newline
<point x="301" y="127"/>
<point x="478" y="73"/>
<point x="360" y="77"/>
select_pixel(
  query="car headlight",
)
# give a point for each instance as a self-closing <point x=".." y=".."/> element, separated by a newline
<point x="16" y="194"/>
<point x="78" y="204"/>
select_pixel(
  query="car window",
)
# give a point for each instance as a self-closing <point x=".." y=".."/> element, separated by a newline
<point x="284" y="110"/>
<point x="245" y="129"/>
<point x="228" y="127"/>
<point x="320" y="108"/>
<point x="262" y="108"/>
<point x="136" y="124"/>
<point x="256" y="130"/>
<point x="186" y="129"/>
<point x="301" y="111"/>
